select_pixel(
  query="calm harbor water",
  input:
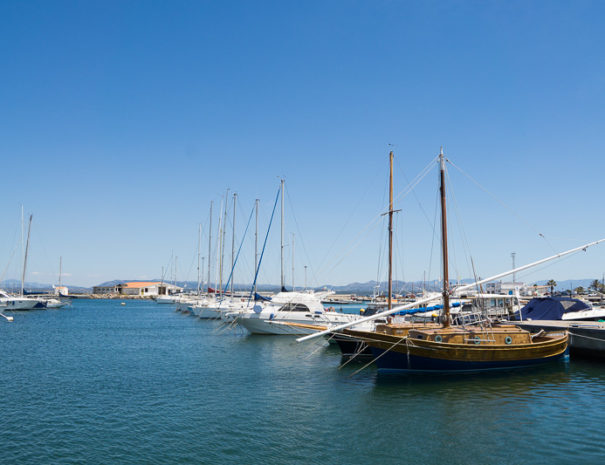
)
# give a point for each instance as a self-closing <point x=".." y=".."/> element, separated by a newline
<point x="102" y="383"/>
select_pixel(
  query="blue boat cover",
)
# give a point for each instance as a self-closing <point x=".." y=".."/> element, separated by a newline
<point x="550" y="308"/>
<point x="258" y="297"/>
<point x="426" y="309"/>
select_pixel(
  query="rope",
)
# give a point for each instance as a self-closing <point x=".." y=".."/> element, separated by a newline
<point x="260" y="260"/>
<point x="513" y="211"/>
<point x="373" y="360"/>
<point x="238" y="252"/>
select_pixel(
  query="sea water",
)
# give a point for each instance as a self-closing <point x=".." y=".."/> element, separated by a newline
<point x="105" y="383"/>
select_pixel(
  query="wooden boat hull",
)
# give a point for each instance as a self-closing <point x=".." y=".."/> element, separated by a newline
<point x="409" y="355"/>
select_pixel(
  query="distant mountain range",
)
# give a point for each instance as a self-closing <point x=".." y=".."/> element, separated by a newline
<point x="14" y="285"/>
<point x="365" y="288"/>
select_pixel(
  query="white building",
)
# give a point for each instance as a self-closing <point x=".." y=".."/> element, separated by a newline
<point x="105" y="289"/>
<point x="147" y="288"/>
<point x="138" y="288"/>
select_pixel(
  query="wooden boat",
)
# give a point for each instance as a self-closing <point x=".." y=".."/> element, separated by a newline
<point x="465" y="348"/>
<point x="458" y="348"/>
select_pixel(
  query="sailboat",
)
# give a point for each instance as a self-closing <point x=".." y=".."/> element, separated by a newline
<point x="463" y="348"/>
<point x="22" y="302"/>
<point x="460" y="348"/>
<point x="287" y="312"/>
<point x="352" y="343"/>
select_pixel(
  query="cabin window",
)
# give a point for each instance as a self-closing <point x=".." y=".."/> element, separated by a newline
<point x="290" y="307"/>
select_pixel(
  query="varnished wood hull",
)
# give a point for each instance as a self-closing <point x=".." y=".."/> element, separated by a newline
<point x="428" y="356"/>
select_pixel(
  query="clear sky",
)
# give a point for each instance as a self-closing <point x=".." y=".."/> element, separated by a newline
<point x="121" y="121"/>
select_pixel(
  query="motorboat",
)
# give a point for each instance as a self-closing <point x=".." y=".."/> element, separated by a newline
<point x="304" y="308"/>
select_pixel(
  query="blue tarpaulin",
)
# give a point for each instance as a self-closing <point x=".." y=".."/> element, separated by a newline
<point x="550" y="308"/>
<point x="426" y="309"/>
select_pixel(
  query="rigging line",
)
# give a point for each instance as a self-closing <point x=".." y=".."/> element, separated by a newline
<point x="376" y="358"/>
<point x="419" y="177"/>
<point x="546" y="266"/>
<point x="380" y="252"/>
<point x="400" y="250"/>
<point x="10" y="259"/>
<point x="458" y="216"/>
<point x="428" y="220"/>
<point x="264" y="244"/>
<point x="358" y="351"/>
<point x="346" y="223"/>
<point x="433" y="235"/>
<point x="354" y="242"/>
<point x="238" y="251"/>
<point x="381" y="241"/>
<point x="301" y="237"/>
<point x="521" y="219"/>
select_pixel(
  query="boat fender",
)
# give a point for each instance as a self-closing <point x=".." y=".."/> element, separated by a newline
<point x="438" y="338"/>
<point x="477" y="340"/>
<point x="508" y="340"/>
<point x="271" y="316"/>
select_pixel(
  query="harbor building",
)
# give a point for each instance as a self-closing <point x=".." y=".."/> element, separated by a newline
<point x="138" y="288"/>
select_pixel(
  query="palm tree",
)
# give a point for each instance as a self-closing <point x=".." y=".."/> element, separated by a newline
<point x="579" y="290"/>
<point x="596" y="285"/>
<point x="552" y="283"/>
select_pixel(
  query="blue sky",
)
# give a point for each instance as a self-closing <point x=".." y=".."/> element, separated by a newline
<point x="121" y="121"/>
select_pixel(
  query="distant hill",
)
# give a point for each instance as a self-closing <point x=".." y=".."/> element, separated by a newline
<point x="359" y="288"/>
<point x="14" y="285"/>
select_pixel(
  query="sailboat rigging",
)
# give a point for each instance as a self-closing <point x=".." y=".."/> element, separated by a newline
<point x="448" y="348"/>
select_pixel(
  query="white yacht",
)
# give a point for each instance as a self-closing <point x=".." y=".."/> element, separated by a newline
<point x="166" y="299"/>
<point x="55" y="303"/>
<point x="303" y="308"/>
<point x="8" y="302"/>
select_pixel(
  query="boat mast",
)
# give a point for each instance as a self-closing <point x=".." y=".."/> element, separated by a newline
<point x="292" y="262"/>
<point x="224" y="233"/>
<point x="390" y="295"/>
<point x="233" y="244"/>
<point x="22" y="242"/>
<point x="199" y="250"/>
<point x="283" y="287"/>
<point x="29" y="228"/>
<point x="446" y="282"/>
<point x="256" y="244"/>
<point x="60" y="269"/>
<point x="219" y="282"/>
<point x="209" y="243"/>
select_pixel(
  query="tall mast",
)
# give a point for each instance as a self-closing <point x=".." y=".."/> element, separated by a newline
<point x="292" y="262"/>
<point x="22" y="242"/>
<point x="209" y="242"/>
<point x="60" y="269"/>
<point x="223" y="241"/>
<point x="199" y="251"/>
<point x="202" y="281"/>
<point x="390" y="296"/>
<point x="25" y="257"/>
<point x="219" y="239"/>
<point x="233" y="245"/>
<point x="283" y="287"/>
<point x="256" y="245"/>
<point x="446" y="282"/>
